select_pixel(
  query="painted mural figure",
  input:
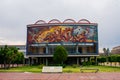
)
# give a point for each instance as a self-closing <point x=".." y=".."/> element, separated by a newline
<point x="62" y="34"/>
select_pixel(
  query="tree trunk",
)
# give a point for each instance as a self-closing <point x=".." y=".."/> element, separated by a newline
<point x="62" y="62"/>
<point x="5" y="66"/>
<point x="2" y="65"/>
<point x="9" y="63"/>
<point x="110" y="63"/>
<point x="115" y="63"/>
<point x="12" y="65"/>
<point x="8" y="66"/>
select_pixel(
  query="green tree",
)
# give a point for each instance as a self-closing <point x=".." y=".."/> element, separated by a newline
<point x="1" y="58"/>
<point x="19" y="58"/>
<point x="4" y="51"/>
<point x="8" y="55"/>
<point x="106" y="52"/>
<point x="60" y="54"/>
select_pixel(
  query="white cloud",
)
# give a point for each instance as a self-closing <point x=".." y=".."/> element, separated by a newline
<point x="101" y="50"/>
<point x="10" y="42"/>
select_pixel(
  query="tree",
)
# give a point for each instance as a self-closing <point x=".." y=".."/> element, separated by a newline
<point x="60" y="54"/>
<point x="9" y="55"/>
<point x="4" y="51"/>
<point x="106" y="52"/>
<point x="19" y="58"/>
<point x="1" y="58"/>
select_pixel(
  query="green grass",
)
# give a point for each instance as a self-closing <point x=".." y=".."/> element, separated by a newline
<point x="101" y="69"/>
<point x="67" y="69"/>
<point x="23" y="69"/>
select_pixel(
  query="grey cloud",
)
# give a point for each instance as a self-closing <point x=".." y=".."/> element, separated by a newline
<point x="16" y="14"/>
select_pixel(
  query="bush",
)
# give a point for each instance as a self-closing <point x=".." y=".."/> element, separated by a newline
<point x="68" y="71"/>
<point x="101" y="59"/>
<point x="87" y="63"/>
<point x="118" y="58"/>
<point x="63" y="65"/>
<point x="41" y="66"/>
<point x="75" y="65"/>
<point x="90" y="63"/>
<point x="84" y="63"/>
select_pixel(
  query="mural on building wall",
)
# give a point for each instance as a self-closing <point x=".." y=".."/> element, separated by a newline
<point x="62" y="34"/>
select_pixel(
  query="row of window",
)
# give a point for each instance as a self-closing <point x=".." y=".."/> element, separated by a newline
<point x="71" y="49"/>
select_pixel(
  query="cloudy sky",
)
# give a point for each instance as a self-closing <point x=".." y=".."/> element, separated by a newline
<point x="16" y="14"/>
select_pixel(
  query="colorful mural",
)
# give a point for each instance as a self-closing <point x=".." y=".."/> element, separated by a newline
<point x="62" y="34"/>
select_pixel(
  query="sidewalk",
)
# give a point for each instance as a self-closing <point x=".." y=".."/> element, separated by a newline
<point x="60" y="76"/>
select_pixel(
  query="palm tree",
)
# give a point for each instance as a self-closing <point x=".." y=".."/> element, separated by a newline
<point x="106" y="52"/>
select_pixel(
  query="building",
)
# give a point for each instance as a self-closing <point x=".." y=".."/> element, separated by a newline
<point x="79" y="38"/>
<point x="116" y="50"/>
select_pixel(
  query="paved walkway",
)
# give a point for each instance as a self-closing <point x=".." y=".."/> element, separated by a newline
<point x="60" y="76"/>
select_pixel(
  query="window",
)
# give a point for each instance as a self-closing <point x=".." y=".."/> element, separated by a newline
<point x="70" y="48"/>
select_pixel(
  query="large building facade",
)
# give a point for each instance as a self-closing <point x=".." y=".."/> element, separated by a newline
<point x="116" y="50"/>
<point x="79" y="38"/>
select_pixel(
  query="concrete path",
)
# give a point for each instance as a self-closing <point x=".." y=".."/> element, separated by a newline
<point x="60" y="76"/>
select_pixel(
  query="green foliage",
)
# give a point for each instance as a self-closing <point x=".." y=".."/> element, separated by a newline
<point x="92" y="62"/>
<point x="88" y="63"/>
<point x="60" y="54"/>
<point x="19" y="58"/>
<point x="63" y="65"/>
<point x="69" y="71"/>
<point x="41" y="66"/>
<point x="10" y="55"/>
<point x="106" y="51"/>
<point x="111" y="58"/>
<point x="75" y="65"/>
<point x="101" y="59"/>
<point x="118" y="58"/>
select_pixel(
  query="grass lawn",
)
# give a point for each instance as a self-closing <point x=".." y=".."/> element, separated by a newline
<point x="67" y="69"/>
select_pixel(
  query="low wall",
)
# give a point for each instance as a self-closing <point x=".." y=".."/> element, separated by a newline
<point x="52" y="69"/>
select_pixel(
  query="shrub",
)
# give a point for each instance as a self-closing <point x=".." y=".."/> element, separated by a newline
<point x="87" y="63"/>
<point x="41" y="66"/>
<point x="68" y="71"/>
<point x="75" y="65"/>
<point x="90" y="63"/>
<point x="63" y="65"/>
<point x="84" y="63"/>
<point x="101" y="59"/>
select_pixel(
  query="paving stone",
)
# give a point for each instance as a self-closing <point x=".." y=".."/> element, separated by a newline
<point x="60" y="76"/>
